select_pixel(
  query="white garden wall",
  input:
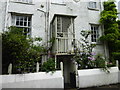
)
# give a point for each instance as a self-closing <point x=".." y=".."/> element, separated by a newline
<point x="119" y="76"/>
<point x="97" y="77"/>
<point x="33" y="80"/>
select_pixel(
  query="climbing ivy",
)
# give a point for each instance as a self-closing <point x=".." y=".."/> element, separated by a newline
<point x="111" y="29"/>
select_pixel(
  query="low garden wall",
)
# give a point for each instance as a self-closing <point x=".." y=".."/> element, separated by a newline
<point x="97" y="77"/>
<point x="34" y="80"/>
<point x="119" y="76"/>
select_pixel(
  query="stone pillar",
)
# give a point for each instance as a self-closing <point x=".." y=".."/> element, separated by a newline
<point x="61" y="66"/>
<point x="10" y="68"/>
<point x="117" y="63"/>
<point x="37" y="67"/>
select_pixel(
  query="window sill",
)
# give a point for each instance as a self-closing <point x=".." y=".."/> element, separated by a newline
<point x="23" y="3"/>
<point x="59" y="4"/>
<point x="97" y="43"/>
<point x="93" y="42"/>
<point x="95" y="9"/>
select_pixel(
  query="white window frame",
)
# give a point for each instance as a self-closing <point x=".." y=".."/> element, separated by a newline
<point x="94" y="33"/>
<point x="58" y="2"/>
<point x="62" y="33"/>
<point x="24" y="22"/>
<point x="24" y="1"/>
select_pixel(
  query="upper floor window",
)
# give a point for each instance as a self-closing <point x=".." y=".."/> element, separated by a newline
<point x="23" y="22"/>
<point x="94" y="33"/>
<point x="92" y="4"/>
<point x="64" y="25"/>
<point x="24" y="1"/>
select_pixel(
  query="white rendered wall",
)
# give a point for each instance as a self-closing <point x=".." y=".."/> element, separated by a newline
<point x="119" y="76"/>
<point x="85" y="17"/>
<point x="38" y="17"/>
<point x="80" y="9"/>
<point x="33" y="80"/>
<point x="119" y="10"/>
<point x="2" y="15"/>
<point x="96" y="77"/>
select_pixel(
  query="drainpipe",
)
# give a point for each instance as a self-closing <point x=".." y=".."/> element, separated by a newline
<point x="46" y="13"/>
<point x="47" y="19"/>
<point x="47" y="23"/>
<point x="61" y="65"/>
<point x="6" y="15"/>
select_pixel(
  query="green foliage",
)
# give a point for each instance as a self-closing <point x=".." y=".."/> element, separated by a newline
<point x="116" y="55"/>
<point x="100" y="61"/>
<point x="49" y="65"/>
<point x="111" y="27"/>
<point x="82" y="56"/>
<point x="20" y="51"/>
<point x="86" y="58"/>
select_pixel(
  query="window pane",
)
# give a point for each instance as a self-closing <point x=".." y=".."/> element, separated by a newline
<point x="25" y="23"/>
<point x="30" y="1"/>
<point x="17" y="18"/>
<point x="66" y="22"/>
<point x="29" y="18"/>
<point x="17" y="22"/>
<point x="92" y="28"/>
<point x="21" y="23"/>
<point x="29" y="24"/>
<point x="58" y="24"/>
<point x="21" y="18"/>
<point x="25" y="18"/>
<point x="92" y="4"/>
<point x="94" y="33"/>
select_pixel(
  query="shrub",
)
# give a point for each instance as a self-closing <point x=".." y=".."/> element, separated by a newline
<point x="86" y="58"/>
<point x="20" y="51"/>
<point x="49" y="65"/>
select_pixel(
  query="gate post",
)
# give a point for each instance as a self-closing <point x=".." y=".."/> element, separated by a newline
<point x="37" y="67"/>
<point x="55" y="61"/>
<point x="61" y="66"/>
<point x="117" y="63"/>
<point x="77" y="76"/>
<point x="10" y="68"/>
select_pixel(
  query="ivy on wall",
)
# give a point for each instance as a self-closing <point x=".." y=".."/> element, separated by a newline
<point x="111" y="29"/>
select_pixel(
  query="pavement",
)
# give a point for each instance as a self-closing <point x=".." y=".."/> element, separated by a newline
<point x="106" y="87"/>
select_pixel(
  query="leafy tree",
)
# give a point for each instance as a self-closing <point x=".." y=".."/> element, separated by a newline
<point x="111" y="30"/>
<point x="19" y="50"/>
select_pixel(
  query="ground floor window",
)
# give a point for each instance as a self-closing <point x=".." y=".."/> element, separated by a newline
<point x="94" y="33"/>
<point x="23" y="22"/>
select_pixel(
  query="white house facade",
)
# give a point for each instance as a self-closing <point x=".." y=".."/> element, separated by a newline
<point x="119" y="10"/>
<point x="38" y="16"/>
<point x="61" y="19"/>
